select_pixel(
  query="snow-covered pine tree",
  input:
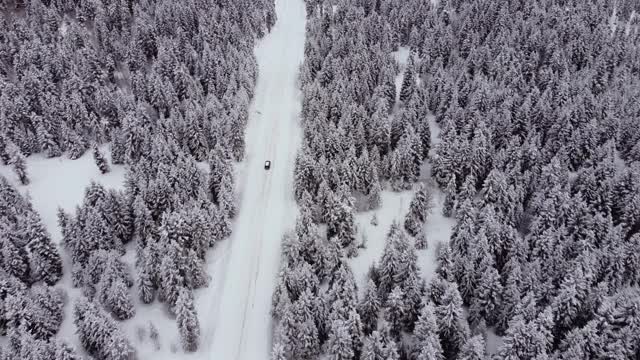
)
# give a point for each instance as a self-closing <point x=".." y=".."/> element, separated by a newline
<point x="395" y="311"/>
<point x="486" y="300"/>
<point x="227" y="197"/>
<point x="379" y="346"/>
<point x="374" y="192"/>
<point x="46" y="311"/>
<point x="144" y="280"/>
<point x="453" y="328"/>
<point x="424" y="132"/>
<point x="473" y="349"/>
<point x="98" y="332"/>
<point x="304" y="175"/>
<point x="278" y="352"/>
<point x="426" y="340"/>
<point x="421" y="241"/>
<point x="118" y="300"/>
<point x="340" y="344"/>
<point x="369" y="307"/>
<point x="511" y="297"/>
<point x="522" y="341"/>
<point x="419" y="209"/>
<point x="450" y="197"/>
<point x="187" y="319"/>
<point x="45" y="262"/>
<point x="5" y="157"/>
<point x="13" y="259"/>
<point x="405" y="161"/>
<point x="63" y="351"/>
<point x="75" y="145"/>
<point x="100" y="160"/>
<point x="408" y="81"/>
<point x="46" y="139"/>
<point x="170" y="281"/>
<point x="341" y="223"/>
<point x="118" y="149"/>
<point x="390" y="262"/>
<point x="19" y="164"/>
<point x="280" y="299"/>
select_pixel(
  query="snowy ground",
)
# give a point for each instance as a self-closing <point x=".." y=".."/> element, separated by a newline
<point x="401" y="57"/>
<point x="238" y="325"/>
<point x="61" y="182"/>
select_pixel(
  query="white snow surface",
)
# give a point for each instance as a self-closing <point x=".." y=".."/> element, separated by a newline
<point x="61" y="182"/>
<point x="494" y="342"/>
<point x="401" y="56"/>
<point x="237" y="325"/>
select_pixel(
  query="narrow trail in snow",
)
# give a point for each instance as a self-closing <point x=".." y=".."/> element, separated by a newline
<point x="242" y="328"/>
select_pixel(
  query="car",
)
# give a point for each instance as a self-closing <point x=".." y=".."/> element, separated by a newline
<point x="267" y="165"/>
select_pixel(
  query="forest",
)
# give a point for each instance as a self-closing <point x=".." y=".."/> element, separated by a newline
<point x="536" y="102"/>
<point x="168" y="85"/>
<point x="523" y="115"/>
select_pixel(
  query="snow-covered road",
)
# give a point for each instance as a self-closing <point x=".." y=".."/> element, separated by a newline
<point x="242" y="328"/>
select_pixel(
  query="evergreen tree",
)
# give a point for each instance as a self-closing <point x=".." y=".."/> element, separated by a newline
<point x="373" y="347"/>
<point x="373" y="198"/>
<point x="395" y="311"/>
<point x="45" y="262"/>
<point x="187" y="319"/>
<point x="19" y="165"/>
<point x="418" y="210"/>
<point x="486" y="300"/>
<point x="98" y="332"/>
<point x="101" y="162"/>
<point x="369" y="307"/>
<point x="473" y="349"/>
<point x="511" y="297"/>
<point x="45" y="138"/>
<point x="227" y="197"/>
<point x="118" y="300"/>
<point x="14" y="260"/>
<point x="452" y="327"/>
<point x="427" y="343"/>
<point x="146" y="289"/>
<point x="340" y="345"/>
<point x="118" y="149"/>
<point x="278" y="352"/>
<point x="421" y="241"/>
<point x="408" y="82"/>
<point x="46" y="310"/>
<point x="304" y="175"/>
<point x="170" y="281"/>
<point x="62" y="351"/>
<point x="424" y="132"/>
<point x="341" y="223"/>
<point x="450" y="197"/>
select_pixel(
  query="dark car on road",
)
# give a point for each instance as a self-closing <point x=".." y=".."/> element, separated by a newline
<point x="267" y="165"/>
